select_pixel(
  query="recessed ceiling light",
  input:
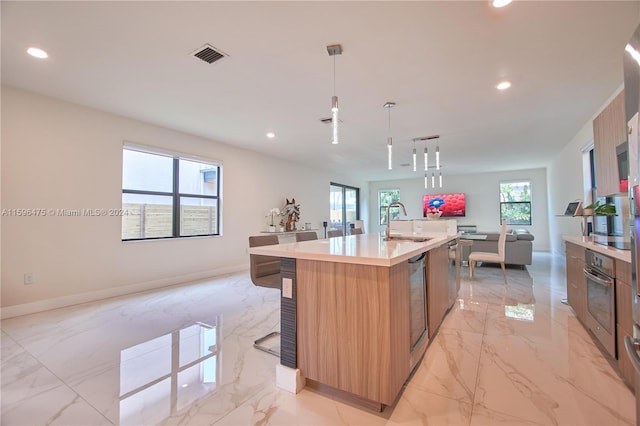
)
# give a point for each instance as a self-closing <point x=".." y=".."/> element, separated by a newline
<point x="37" y="53"/>
<point x="500" y="3"/>
<point x="271" y="135"/>
<point x="503" y="85"/>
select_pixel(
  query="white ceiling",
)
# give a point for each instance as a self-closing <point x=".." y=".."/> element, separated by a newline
<point x="439" y="61"/>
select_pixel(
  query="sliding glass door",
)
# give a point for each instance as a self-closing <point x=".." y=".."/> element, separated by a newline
<point x="344" y="205"/>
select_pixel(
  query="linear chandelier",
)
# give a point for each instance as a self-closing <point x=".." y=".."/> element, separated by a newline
<point x="334" y="50"/>
<point x="426" y="140"/>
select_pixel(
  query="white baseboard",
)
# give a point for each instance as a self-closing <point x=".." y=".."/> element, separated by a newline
<point x="75" y="299"/>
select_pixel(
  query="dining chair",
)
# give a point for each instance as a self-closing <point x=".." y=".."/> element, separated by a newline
<point x="265" y="272"/>
<point x="481" y="256"/>
<point x="306" y="236"/>
<point x="334" y="233"/>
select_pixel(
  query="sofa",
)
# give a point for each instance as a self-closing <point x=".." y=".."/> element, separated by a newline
<point x="518" y="246"/>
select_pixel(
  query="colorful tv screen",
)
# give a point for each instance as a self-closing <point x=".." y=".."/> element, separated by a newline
<point x="451" y="205"/>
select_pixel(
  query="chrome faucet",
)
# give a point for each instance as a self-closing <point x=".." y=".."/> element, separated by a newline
<point x="395" y="203"/>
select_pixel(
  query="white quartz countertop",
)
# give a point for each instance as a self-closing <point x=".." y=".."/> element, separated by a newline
<point x="587" y="242"/>
<point x="365" y="249"/>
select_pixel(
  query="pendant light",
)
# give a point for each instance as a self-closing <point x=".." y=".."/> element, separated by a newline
<point x="334" y="50"/>
<point x="426" y="139"/>
<point x="426" y="167"/>
<point x="388" y="106"/>
<point x="426" y="158"/>
<point x="415" y="160"/>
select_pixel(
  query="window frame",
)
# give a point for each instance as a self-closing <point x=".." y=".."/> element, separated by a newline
<point x="344" y="189"/>
<point x="175" y="194"/>
<point x="510" y="203"/>
<point x="382" y="209"/>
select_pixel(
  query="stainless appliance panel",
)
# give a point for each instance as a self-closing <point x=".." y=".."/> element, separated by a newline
<point x="601" y="298"/>
<point x="417" y="300"/>
<point x="455" y="270"/>
<point x="631" y="65"/>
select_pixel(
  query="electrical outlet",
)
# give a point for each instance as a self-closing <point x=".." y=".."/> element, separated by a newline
<point x="28" y="278"/>
<point x="287" y="288"/>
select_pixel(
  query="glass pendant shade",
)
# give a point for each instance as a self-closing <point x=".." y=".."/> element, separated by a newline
<point x="440" y="179"/>
<point x="415" y="161"/>
<point x="426" y="159"/>
<point x="426" y="182"/>
<point x="334" y="119"/>
<point x="437" y="157"/>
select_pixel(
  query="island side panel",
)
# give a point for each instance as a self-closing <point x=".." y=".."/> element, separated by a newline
<point x="363" y="340"/>
<point x="317" y="321"/>
<point x="399" y="331"/>
<point x="353" y="327"/>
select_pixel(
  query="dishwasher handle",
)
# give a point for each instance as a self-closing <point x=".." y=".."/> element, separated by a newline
<point x="632" y="346"/>
<point x="597" y="278"/>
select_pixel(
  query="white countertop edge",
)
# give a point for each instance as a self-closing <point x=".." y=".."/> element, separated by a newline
<point x="587" y="242"/>
<point x="297" y="250"/>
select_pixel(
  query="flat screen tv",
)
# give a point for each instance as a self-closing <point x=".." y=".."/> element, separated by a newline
<point x="454" y="204"/>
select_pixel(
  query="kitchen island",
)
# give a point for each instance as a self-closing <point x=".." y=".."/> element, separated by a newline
<point x="348" y="311"/>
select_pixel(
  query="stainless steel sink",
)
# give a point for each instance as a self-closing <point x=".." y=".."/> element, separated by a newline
<point x="407" y="238"/>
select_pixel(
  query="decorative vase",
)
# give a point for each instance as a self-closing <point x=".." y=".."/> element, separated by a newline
<point x="433" y="216"/>
<point x="282" y="229"/>
<point x="272" y="228"/>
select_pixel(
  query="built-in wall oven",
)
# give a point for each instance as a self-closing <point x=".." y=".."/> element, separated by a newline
<point x="599" y="272"/>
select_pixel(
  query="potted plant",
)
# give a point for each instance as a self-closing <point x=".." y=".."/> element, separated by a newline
<point x="599" y="209"/>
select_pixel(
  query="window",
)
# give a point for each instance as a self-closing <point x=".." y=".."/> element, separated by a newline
<point x="166" y="196"/>
<point x="515" y="202"/>
<point x="386" y="197"/>
<point x="344" y="205"/>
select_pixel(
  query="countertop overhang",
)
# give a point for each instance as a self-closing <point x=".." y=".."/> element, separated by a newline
<point x="365" y="249"/>
<point x="587" y="242"/>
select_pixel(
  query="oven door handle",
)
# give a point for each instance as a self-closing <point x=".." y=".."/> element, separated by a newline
<point x="589" y="274"/>
<point x="632" y="346"/>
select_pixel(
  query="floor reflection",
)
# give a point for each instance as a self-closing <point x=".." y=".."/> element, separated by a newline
<point x="161" y="376"/>
<point x="522" y="312"/>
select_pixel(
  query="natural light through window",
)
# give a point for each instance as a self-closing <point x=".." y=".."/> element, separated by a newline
<point x="166" y="196"/>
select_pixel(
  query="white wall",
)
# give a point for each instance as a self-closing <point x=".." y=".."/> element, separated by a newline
<point x="482" y="194"/>
<point x="566" y="182"/>
<point x="58" y="155"/>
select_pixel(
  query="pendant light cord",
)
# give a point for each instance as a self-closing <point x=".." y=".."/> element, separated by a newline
<point x="334" y="75"/>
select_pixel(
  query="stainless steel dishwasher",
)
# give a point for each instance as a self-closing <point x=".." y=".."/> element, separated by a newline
<point x="455" y="260"/>
<point x="417" y="299"/>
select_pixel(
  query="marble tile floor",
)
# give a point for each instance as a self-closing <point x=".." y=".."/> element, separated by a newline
<point x="505" y="355"/>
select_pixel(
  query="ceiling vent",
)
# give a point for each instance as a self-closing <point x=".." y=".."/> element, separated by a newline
<point x="209" y="54"/>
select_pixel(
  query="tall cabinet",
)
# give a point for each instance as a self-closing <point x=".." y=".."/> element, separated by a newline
<point x="609" y="131"/>
<point x="624" y="319"/>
